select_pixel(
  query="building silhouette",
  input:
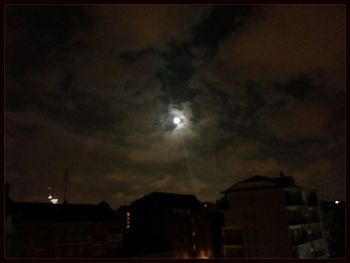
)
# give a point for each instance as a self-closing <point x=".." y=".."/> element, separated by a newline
<point x="271" y="218"/>
<point x="46" y="230"/>
<point x="260" y="217"/>
<point x="166" y="225"/>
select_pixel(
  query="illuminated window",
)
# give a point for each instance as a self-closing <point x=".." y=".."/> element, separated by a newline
<point x="127" y="220"/>
<point x="185" y="255"/>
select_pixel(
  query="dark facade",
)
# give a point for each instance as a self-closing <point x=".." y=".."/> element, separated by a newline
<point x="169" y="225"/>
<point x="45" y="230"/>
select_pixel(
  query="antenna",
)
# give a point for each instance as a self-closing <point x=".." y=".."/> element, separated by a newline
<point x="65" y="185"/>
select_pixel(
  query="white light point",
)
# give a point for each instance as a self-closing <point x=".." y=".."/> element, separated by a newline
<point x="176" y="120"/>
<point x="336" y="202"/>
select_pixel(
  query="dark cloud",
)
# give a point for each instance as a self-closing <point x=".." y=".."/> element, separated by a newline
<point x="223" y="20"/>
<point x="138" y="27"/>
<point x="259" y="89"/>
<point x="287" y="40"/>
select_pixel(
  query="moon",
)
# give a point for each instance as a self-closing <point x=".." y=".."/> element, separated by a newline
<point x="176" y="120"/>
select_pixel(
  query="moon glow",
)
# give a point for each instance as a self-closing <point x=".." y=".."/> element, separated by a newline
<point x="176" y="120"/>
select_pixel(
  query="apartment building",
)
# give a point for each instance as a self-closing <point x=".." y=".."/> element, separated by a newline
<point x="272" y="218"/>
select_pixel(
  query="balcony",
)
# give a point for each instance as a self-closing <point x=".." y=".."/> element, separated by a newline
<point x="298" y="236"/>
<point x="318" y="253"/>
<point x="300" y="241"/>
<point x="297" y="221"/>
<point x="314" y="219"/>
<point x="297" y="217"/>
<point x="315" y="236"/>
<point x="294" y="199"/>
<point x="312" y="200"/>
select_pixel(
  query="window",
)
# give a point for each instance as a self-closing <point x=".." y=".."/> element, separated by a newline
<point x="233" y="236"/>
<point x="253" y="217"/>
<point x="257" y="253"/>
<point x="255" y="235"/>
<point x="230" y="252"/>
<point x="245" y="217"/>
<point x="246" y="236"/>
<point x="247" y="251"/>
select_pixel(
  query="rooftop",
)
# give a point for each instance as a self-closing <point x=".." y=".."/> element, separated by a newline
<point x="262" y="182"/>
<point x="25" y="212"/>
<point x="168" y="200"/>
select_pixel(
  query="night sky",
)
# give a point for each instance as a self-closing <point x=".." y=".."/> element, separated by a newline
<point x="94" y="89"/>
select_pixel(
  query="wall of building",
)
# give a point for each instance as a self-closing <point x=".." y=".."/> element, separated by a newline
<point x="262" y="217"/>
<point x="65" y="240"/>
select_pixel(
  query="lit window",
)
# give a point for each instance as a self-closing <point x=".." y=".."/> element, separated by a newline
<point x="204" y="255"/>
<point x="185" y="255"/>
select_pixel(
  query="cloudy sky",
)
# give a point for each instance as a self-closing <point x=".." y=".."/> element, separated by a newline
<point x="259" y="90"/>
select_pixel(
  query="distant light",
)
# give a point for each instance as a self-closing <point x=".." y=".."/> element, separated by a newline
<point x="194" y="247"/>
<point x="54" y="200"/>
<point x="127" y="214"/>
<point x="336" y="202"/>
<point x="176" y="120"/>
<point x="205" y="205"/>
<point x="50" y="197"/>
<point x="193" y="233"/>
<point x="203" y="255"/>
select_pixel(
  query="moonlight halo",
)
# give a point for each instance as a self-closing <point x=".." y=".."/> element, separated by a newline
<point x="176" y="120"/>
